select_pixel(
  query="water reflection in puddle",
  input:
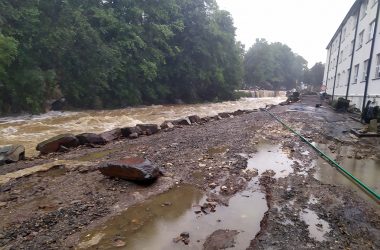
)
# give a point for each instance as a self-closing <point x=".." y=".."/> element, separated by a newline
<point x="317" y="227"/>
<point x="366" y="170"/>
<point x="271" y="157"/>
<point x="154" y="223"/>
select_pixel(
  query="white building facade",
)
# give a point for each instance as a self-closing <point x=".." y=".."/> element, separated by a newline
<point x="353" y="56"/>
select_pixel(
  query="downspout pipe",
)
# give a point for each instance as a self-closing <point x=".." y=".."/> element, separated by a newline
<point x="328" y="69"/>
<point x="329" y="160"/>
<point x="371" y="58"/>
<point x="337" y="62"/>
<point x="353" y="54"/>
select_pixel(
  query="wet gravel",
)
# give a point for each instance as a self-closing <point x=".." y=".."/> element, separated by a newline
<point x="52" y="211"/>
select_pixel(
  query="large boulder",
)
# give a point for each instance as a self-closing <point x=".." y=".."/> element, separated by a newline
<point x="55" y="143"/>
<point x="182" y="122"/>
<point x="90" y="138"/>
<point x="195" y="119"/>
<point x="148" y="129"/>
<point x="111" y="135"/>
<point x="166" y="125"/>
<point x="131" y="169"/>
<point x="126" y="132"/>
<point x="11" y="153"/>
<point x="225" y="115"/>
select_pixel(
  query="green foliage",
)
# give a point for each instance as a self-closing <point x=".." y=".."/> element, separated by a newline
<point x="273" y="66"/>
<point x="314" y="76"/>
<point x="105" y="54"/>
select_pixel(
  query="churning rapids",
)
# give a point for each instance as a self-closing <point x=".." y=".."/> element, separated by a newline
<point x="29" y="130"/>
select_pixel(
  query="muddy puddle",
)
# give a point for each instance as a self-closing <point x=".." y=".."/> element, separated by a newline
<point x="273" y="158"/>
<point x="366" y="170"/>
<point x="155" y="223"/>
<point x="317" y="227"/>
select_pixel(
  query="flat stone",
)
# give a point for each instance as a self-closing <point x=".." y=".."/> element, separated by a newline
<point x="131" y="169"/>
<point x="90" y="138"/>
<point x="54" y="144"/>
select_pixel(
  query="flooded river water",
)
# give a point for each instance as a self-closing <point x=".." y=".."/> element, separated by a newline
<point x="29" y="130"/>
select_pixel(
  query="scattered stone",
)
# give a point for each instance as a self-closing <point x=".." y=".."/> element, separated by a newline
<point x="166" y="204"/>
<point x="220" y="239"/>
<point x="90" y="138"/>
<point x="53" y="144"/>
<point x="195" y="119"/>
<point x="131" y="169"/>
<point x="181" y="122"/>
<point x="112" y="135"/>
<point x="208" y="207"/>
<point x="359" y="156"/>
<point x="3" y="204"/>
<point x="212" y="185"/>
<point x="269" y="172"/>
<point x="12" y="153"/>
<point x="184" y="237"/>
<point x="148" y="129"/>
<point x="223" y="188"/>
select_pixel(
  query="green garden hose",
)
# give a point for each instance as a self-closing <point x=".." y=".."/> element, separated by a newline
<point x="328" y="159"/>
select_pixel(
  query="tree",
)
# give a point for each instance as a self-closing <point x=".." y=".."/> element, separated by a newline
<point x="115" y="53"/>
<point x="314" y="76"/>
<point x="273" y="66"/>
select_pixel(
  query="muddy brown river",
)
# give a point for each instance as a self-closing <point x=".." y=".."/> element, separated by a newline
<point x="29" y="130"/>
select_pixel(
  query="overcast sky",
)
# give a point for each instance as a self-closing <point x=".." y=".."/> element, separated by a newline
<point x="306" y="26"/>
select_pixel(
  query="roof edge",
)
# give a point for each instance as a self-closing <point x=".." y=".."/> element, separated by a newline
<point x="352" y="10"/>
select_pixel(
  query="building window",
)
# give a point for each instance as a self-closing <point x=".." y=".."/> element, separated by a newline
<point x="371" y="30"/>
<point x="377" y="71"/>
<point x="374" y="2"/>
<point x="364" y="8"/>
<point x="348" y="74"/>
<point x="356" y="73"/>
<point x="364" y="75"/>
<point x="361" y="36"/>
<point x="352" y="47"/>
<point x="341" y="56"/>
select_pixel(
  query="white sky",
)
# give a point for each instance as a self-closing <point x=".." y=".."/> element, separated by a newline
<point x="306" y="26"/>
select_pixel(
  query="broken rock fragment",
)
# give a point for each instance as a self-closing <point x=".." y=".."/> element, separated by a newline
<point x="131" y="169"/>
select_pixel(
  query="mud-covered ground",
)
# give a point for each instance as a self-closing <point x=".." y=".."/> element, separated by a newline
<point x="53" y="209"/>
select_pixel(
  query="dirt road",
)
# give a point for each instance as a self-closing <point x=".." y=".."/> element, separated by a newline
<point x="248" y="162"/>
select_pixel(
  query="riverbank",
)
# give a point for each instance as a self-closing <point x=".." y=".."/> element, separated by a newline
<point x="31" y="130"/>
<point x="279" y="184"/>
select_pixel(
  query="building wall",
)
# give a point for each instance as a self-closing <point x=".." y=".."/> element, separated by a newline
<point x="340" y="73"/>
